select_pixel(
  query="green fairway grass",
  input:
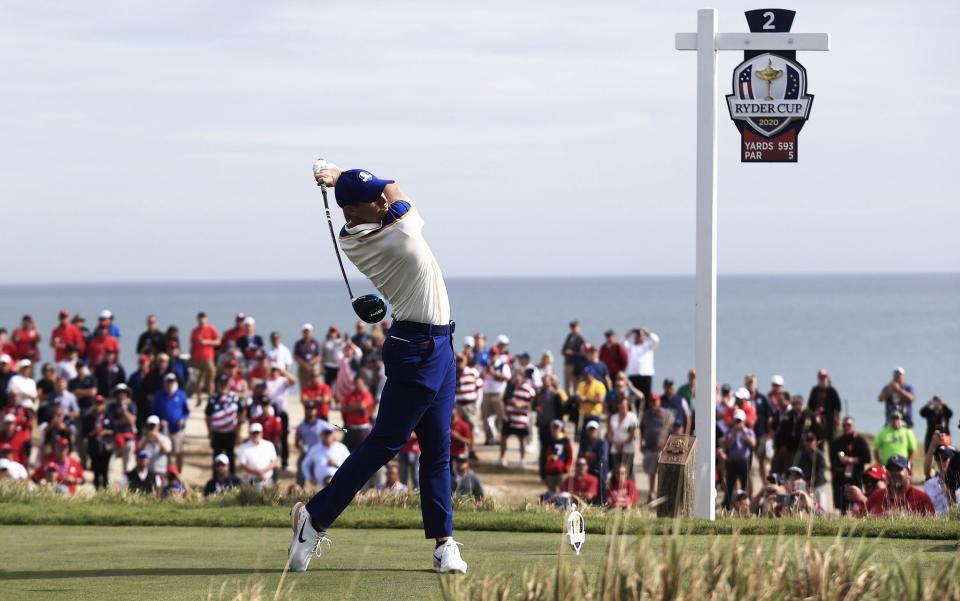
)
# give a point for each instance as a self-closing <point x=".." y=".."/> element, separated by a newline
<point x="129" y="562"/>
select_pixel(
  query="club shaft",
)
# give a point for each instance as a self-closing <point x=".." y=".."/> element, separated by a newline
<point x="333" y="238"/>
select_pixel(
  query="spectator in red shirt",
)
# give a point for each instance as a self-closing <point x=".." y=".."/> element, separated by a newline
<point x="7" y="347"/>
<point x="64" y="335"/>
<point x="899" y="495"/>
<point x="15" y="438"/>
<point x="272" y="426"/>
<point x="613" y="354"/>
<point x="318" y="392"/>
<point x="461" y="436"/>
<point x="622" y="492"/>
<point x="27" y="340"/>
<point x="582" y="484"/>
<point x="357" y="410"/>
<point x="233" y="334"/>
<point x="60" y="470"/>
<point x="204" y="340"/>
<point x="874" y="479"/>
<point x="101" y="342"/>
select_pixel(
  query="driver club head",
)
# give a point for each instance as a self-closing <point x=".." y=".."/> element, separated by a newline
<point x="370" y="308"/>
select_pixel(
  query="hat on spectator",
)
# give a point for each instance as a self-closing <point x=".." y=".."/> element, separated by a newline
<point x="739" y="415"/>
<point x="333" y="328"/>
<point x="823" y="373"/>
<point x="725" y="389"/>
<point x="121" y="387"/>
<point x="249" y="320"/>
<point x="154" y="419"/>
<point x="523" y="355"/>
<point x="896" y="415"/>
<point x="240" y="316"/>
<point x="221" y="458"/>
<point x="143" y="453"/>
<point x="899" y="370"/>
<point x="261" y="385"/>
<point x="608" y="333"/>
<point x="232" y="363"/>
<point x="945" y="451"/>
<point x="6" y="447"/>
<point x="170" y="377"/>
<point x="223" y="378"/>
<point x="326" y="428"/>
<point x="502" y="339"/>
<point x="587" y="347"/>
<point x="256" y="427"/>
<point x="592" y="425"/>
<point x="50" y="466"/>
<point x="876" y="471"/>
<point x="777" y="380"/>
<point x="557" y="423"/>
<point x="27" y="403"/>
<point x="307" y="326"/>
<point x="469" y="341"/>
<point x="9" y="417"/>
<point x="898" y="462"/>
<point x="667" y="382"/>
<point x="63" y="313"/>
<point x="276" y="366"/>
<point x="4" y="464"/>
<point x="309" y="405"/>
<point x="742" y="393"/>
<point x="589" y="371"/>
<point x="24" y="363"/>
<point x="63" y="442"/>
<point x="794" y="472"/>
<point x="5" y="358"/>
<point x="774" y="478"/>
<point x="99" y="400"/>
<point x="106" y="314"/>
<point x="173" y="471"/>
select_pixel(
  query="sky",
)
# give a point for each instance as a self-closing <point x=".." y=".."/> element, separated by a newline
<point x="174" y="140"/>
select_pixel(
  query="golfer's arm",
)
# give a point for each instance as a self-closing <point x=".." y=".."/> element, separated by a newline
<point x="392" y="193"/>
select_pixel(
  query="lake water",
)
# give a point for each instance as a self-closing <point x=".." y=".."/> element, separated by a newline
<point x="859" y="327"/>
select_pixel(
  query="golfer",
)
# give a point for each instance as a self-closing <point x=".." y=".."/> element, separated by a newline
<point x="383" y="238"/>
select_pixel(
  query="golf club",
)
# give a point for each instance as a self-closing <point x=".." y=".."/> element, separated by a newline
<point x="369" y="307"/>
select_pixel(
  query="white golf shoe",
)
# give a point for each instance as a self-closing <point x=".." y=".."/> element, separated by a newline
<point x="447" y="560"/>
<point x="306" y="540"/>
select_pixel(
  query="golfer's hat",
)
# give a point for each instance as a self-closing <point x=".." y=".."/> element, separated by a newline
<point x="358" y="186"/>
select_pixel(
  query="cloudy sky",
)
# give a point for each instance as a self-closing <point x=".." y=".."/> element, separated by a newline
<point x="173" y="140"/>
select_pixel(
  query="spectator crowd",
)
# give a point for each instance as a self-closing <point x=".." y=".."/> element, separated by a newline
<point x="592" y="427"/>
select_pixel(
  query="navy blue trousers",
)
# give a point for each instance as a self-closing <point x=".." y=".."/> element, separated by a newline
<point x="418" y="396"/>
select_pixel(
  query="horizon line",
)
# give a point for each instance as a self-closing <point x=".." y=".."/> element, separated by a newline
<point x="538" y="277"/>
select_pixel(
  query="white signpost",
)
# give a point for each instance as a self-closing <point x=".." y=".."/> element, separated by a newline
<point x="707" y="41"/>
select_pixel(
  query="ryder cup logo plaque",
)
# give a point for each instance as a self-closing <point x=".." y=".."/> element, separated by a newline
<point x="769" y="103"/>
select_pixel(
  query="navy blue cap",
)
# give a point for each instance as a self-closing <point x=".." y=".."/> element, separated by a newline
<point x="898" y="462"/>
<point x="357" y="186"/>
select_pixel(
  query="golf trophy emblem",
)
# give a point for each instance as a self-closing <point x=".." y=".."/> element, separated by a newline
<point x="576" y="533"/>
<point x="769" y="103"/>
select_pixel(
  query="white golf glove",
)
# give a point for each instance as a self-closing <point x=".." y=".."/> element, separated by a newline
<point x="326" y="173"/>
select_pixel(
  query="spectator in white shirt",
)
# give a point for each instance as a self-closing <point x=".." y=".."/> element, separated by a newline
<point x="22" y="383"/>
<point x="324" y="458"/>
<point x="640" y="344"/>
<point x="393" y="483"/>
<point x="257" y="458"/>
<point x="278" y="353"/>
<point x="622" y="435"/>
<point x="278" y="384"/>
<point x="11" y="470"/>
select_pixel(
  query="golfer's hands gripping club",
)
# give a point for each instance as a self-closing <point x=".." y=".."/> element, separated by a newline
<point x="326" y="173"/>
